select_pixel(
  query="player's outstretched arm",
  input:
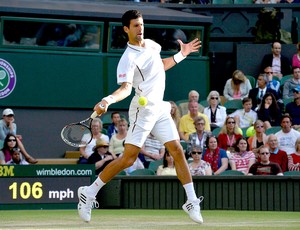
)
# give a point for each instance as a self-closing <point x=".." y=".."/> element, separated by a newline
<point x="185" y="50"/>
<point x="120" y="94"/>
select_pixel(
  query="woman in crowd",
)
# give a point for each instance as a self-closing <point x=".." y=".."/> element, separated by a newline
<point x="175" y="114"/>
<point x="199" y="167"/>
<point x="242" y="159"/>
<point x="87" y="150"/>
<point x="296" y="57"/>
<point x="237" y="87"/>
<point x="259" y="138"/>
<point x="11" y="142"/>
<point x="168" y="168"/>
<point x="116" y="146"/>
<point x="294" y="158"/>
<point x="199" y="137"/>
<point x="269" y="111"/>
<point x="215" y="156"/>
<point x="215" y="112"/>
<point x="229" y="134"/>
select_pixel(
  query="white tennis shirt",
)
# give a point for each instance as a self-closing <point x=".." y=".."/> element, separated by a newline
<point x="144" y="69"/>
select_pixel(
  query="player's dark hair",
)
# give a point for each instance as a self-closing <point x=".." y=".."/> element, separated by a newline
<point x="129" y="15"/>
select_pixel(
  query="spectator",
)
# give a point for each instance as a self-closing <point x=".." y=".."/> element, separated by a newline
<point x="242" y="159"/>
<point x="237" y="87"/>
<point x="199" y="137"/>
<point x="245" y="117"/>
<point x="280" y="64"/>
<point x="215" y="156"/>
<point x="259" y="138"/>
<point x="296" y="57"/>
<point x="152" y="150"/>
<point x="257" y="94"/>
<point x="112" y="128"/>
<point x="293" y="109"/>
<point x="294" y="158"/>
<point x="10" y="143"/>
<point x="272" y="83"/>
<point x="215" y="112"/>
<point x="186" y="124"/>
<point x="16" y="158"/>
<point x="229" y="134"/>
<point x="199" y="167"/>
<point x="277" y="155"/>
<point x="175" y="114"/>
<point x="100" y="157"/>
<point x="291" y="84"/>
<point x="269" y="111"/>
<point x="265" y="167"/>
<point x="116" y="143"/>
<point x="87" y="151"/>
<point x="184" y="107"/>
<point x="168" y="168"/>
<point x="7" y="126"/>
<point x="287" y="136"/>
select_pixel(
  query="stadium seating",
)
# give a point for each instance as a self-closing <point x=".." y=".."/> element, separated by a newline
<point x="233" y="105"/>
<point x="242" y="1"/>
<point x="155" y="164"/>
<point x="251" y="79"/>
<point x="292" y="173"/>
<point x="285" y="78"/>
<point x="231" y="173"/>
<point x="222" y="2"/>
<point x="273" y="130"/>
<point x="142" y="172"/>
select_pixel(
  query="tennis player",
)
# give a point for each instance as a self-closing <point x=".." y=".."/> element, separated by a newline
<point x="142" y="68"/>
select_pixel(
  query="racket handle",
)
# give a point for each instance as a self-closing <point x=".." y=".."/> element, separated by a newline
<point x="94" y="114"/>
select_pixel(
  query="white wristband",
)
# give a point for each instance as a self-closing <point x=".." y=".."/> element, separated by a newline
<point x="109" y="99"/>
<point x="178" y="57"/>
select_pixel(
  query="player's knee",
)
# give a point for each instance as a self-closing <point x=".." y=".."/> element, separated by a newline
<point x="128" y="161"/>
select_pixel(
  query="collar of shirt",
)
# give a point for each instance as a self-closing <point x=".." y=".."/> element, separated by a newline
<point x="275" y="151"/>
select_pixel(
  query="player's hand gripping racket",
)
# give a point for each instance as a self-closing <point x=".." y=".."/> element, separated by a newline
<point x="73" y="133"/>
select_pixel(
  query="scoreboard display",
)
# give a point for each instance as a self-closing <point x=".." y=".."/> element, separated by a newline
<point x="42" y="186"/>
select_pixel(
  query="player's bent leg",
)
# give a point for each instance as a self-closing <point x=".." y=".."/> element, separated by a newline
<point x="192" y="205"/>
<point x="181" y="166"/>
<point x="129" y="156"/>
<point x="88" y="201"/>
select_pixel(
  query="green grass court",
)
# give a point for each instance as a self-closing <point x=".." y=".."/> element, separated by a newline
<point x="148" y="219"/>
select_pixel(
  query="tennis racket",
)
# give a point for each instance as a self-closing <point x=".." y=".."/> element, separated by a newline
<point x="73" y="133"/>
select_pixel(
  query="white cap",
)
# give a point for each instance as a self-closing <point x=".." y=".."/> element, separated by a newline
<point x="7" y="112"/>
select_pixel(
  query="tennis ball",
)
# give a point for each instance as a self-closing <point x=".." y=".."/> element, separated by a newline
<point x="143" y="101"/>
<point x="250" y="131"/>
<point x="240" y="131"/>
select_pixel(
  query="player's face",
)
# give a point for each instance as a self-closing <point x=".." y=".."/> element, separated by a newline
<point x="135" y="31"/>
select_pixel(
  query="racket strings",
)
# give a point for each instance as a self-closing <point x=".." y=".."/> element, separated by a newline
<point x="75" y="133"/>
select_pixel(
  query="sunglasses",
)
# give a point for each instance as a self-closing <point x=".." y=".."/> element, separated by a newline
<point x="199" y="153"/>
<point x="200" y="123"/>
<point x="259" y="126"/>
<point x="214" y="98"/>
<point x="269" y="72"/>
<point x="11" y="140"/>
<point x="265" y="153"/>
<point x="231" y="122"/>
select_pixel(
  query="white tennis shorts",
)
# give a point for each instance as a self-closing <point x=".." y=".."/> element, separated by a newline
<point x="151" y="118"/>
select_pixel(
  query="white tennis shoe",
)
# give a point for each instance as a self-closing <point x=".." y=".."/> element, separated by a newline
<point x="193" y="209"/>
<point x="85" y="204"/>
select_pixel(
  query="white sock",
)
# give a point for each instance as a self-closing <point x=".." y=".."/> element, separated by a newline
<point x="190" y="191"/>
<point x="94" y="188"/>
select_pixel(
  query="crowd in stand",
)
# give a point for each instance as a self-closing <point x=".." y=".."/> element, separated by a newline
<point x="215" y="139"/>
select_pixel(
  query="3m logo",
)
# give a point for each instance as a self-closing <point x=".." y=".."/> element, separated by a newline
<point x="8" y="78"/>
